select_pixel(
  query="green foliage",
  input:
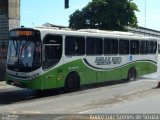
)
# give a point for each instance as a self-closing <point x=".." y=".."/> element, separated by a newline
<point x="105" y="15"/>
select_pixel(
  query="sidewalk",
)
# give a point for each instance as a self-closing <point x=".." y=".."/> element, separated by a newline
<point x="3" y="85"/>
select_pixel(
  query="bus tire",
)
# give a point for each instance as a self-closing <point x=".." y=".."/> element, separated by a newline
<point x="72" y="82"/>
<point x="132" y="74"/>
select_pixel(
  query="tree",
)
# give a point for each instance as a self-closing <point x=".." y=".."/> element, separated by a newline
<point x="105" y="15"/>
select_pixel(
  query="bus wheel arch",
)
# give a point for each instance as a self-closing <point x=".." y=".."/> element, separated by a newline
<point x="132" y="74"/>
<point x="72" y="82"/>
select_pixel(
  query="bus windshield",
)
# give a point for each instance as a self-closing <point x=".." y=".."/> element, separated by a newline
<point x="23" y="55"/>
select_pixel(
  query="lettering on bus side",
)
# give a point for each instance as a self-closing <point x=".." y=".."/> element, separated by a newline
<point x="108" y="60"/>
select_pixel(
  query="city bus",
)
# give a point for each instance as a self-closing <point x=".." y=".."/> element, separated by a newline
<point x="45" y="58"/>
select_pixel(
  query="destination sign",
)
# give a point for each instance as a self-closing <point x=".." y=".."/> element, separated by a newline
<point x="22" y="33"/>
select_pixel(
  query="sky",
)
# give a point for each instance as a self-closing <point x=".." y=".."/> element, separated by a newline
<point x="37" y="12"/>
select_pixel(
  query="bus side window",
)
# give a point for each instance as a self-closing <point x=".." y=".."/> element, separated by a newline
<point x="123" y="46"/>
<point x="52" y="50"/>
<point x="114" y="46"/>
<point x="153" y="47"/>
<point x="74" y="45"/>
<point x="110" y="46"/>
<point x="94" y="46"/>
<point x="144" y="47"/>
<point x="134" y="47"/>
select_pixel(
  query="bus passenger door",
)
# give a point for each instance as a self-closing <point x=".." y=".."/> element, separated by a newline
<point x="52" y="58"/>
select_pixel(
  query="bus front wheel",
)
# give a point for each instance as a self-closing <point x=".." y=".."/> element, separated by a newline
<point x="72" y="82"/>
<point x="132" y="74"/>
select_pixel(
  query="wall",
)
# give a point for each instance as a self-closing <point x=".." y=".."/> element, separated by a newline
<point x="2" y="69"/>
<point x="9" y="19"/>
<point x="14" y="9"/>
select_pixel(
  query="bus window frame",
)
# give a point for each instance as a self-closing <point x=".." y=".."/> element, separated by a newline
<point x="74" y="54"/>
<point x="111" y="39"/>
<point x="92" y="37"/>
<point x="51" y="44"/>
<point x="124" y="52"/>
<point x="139" y="46"/>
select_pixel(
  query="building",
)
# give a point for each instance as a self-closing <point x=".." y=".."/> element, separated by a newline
<point x="145" y="32"/>
<point x="9" y="19"/>
<point x="53" y="25"/>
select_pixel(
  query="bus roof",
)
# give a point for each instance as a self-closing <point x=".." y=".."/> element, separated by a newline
<point x="91" y="33"/>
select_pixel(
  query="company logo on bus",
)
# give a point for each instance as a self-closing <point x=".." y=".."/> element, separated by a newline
<point x="108" y="60"/>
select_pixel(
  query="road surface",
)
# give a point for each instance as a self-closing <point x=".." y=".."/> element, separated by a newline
<point x="15" y="100"/>
<point x="140" y="96"/>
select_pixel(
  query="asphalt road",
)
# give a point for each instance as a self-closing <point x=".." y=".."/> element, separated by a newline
<point x="139" y="96"/>
<point x="15" y="100"/>
<point x="145" y="105"/>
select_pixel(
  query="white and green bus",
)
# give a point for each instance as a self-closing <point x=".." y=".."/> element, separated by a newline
<point x="45" y="58"/>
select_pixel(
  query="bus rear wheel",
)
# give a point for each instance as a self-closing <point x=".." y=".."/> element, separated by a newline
<point x="132" y="75"/>
<point x="72" y="82"/>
